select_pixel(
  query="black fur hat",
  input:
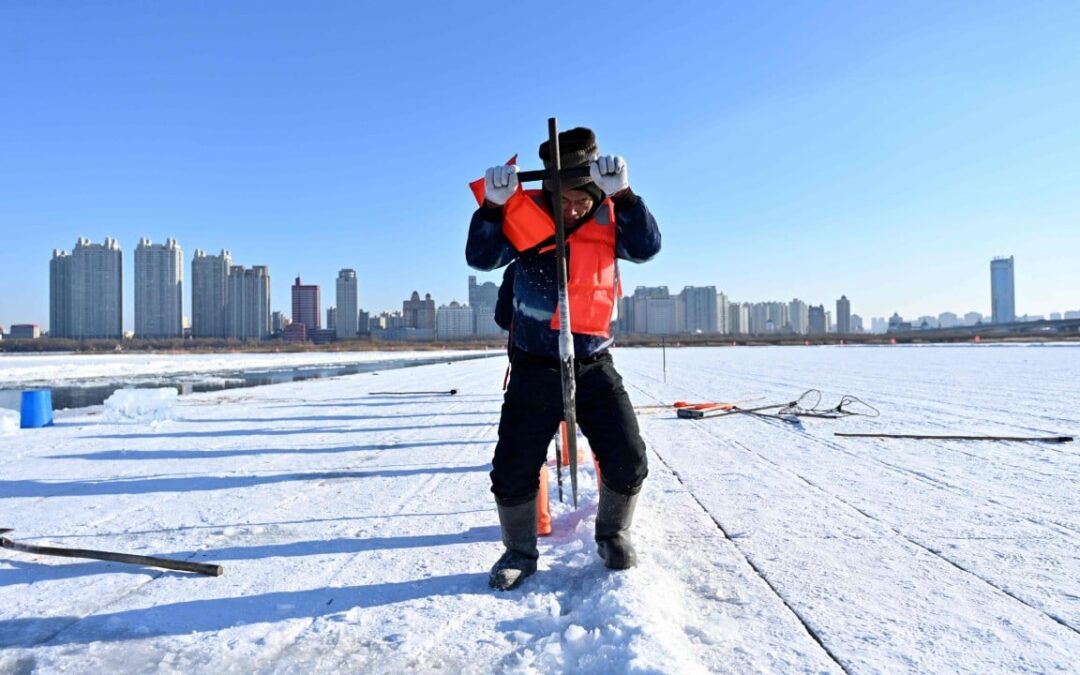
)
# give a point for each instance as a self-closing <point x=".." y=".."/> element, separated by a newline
<point x="577" y="147"/>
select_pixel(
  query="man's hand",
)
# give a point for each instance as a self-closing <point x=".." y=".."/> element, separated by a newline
<point x="610" y="175"/>
<point x="500" y="183"/>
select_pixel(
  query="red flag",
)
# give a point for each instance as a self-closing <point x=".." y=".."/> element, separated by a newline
<point x="477" y="186"/>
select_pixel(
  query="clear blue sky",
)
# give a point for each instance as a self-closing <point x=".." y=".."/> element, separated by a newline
<point x="885" y="151"/>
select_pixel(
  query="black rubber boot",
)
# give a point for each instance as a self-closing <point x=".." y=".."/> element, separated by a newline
<point x="519" y="536"/>
<point x="613" y="519"/>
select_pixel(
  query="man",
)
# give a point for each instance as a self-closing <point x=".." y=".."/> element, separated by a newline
<point x="604" y="221"/>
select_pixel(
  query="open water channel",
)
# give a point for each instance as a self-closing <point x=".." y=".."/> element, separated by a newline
<point x="83" y="394"/>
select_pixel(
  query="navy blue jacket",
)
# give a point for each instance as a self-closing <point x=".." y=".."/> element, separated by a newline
<point x="637" y="239"/>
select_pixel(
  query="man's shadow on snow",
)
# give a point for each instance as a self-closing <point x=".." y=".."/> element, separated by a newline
<point x="134" y="486"/>
<point x="166" y="433"/>
<point x="249" y="452"/>
<point x="209" y="616"/>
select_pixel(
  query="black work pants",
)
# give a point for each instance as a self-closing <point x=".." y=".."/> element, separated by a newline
<point x="532" y="410"/>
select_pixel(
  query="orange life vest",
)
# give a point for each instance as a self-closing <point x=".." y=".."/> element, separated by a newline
<point x="593" y="283"/>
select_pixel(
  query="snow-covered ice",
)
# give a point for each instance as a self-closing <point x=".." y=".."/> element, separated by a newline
<point x="9" y="421"/>
<point x="140" y="405"/>
<point x="356" y="530"/>
<point x="60" y="368"/>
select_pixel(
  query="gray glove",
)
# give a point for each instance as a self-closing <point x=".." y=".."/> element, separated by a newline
<point x="500" y="183"/>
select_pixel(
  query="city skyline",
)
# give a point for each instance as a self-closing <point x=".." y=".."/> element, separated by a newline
<point x="695" y="313"/>
<point x="881" y="151"/>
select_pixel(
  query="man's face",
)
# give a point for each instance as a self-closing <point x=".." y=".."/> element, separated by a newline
<point x="575" y="204"/>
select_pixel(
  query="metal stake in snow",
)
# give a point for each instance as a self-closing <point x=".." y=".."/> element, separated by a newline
<point x="566" y="338"/>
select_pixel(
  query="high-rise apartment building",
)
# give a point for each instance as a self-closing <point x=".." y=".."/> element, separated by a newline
<point x="60" y="289"/>
<point x="722" y="314"/>
<point x="159" y="289"/>
<point x="88" y="290"/>
<point x="209" y="294"/>
<point x="653" y="311"/>
<point x="482" y="300"/>
<point x="348" y="305"/>
<point x="278" y="322"/>
<point x="843" y="315"/>
<point x="777" y="317"/>
<point x="482" y="295"/>
<point x="738" y="318"/>
<point x="1002" y="290"/>
<point x="818" y="321"/>
<point x="699" y="309"/>
<point x="305" y="305"/>
<point x="248" y="308"/>
<point x="454" y="321"/>
<point x="799" y="317"/>
<point x="419" y="314"/>
<point x="759" y="318"/>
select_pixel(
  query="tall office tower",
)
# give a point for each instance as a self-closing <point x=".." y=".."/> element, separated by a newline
<point x="699" y="310"/>
<point x="248" y="306"/>
<point x="818" y="323"/>
<point x="799" y="317"/>
<point x="348" y="305"/>
<point x="159" y="289"/>
<point x="209" y="294"/>
<point x="738" y="318"/>
<point x="305" y="305"/>
<point x="454" y="321"/>
<point x="1002" y="290"/>
<point x="97" y="296"/>
<point x="843" y="315"/>
<point x="60" y="270"/>
<point x="331" y="319"/>
<point x="417" y="313"/>
<point x="857" y="324"/>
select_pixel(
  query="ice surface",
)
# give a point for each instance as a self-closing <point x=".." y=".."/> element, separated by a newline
<point x="9" y="421"/>
<point x="140" y="405"/>
<point x="57" y="368"/>
<point x="11" y="400"/>
<point x="356" y="531"/>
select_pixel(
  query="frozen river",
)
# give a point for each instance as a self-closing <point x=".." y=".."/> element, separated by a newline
<point x="356" y="530"/>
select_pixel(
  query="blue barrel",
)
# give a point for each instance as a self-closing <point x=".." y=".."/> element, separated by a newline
<point x="36" y="409"/>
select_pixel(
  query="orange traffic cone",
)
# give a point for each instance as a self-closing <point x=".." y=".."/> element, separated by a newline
<point x="543" y="498"/>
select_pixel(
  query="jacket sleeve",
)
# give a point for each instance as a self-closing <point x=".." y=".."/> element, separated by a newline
<point x="487" y="247"/>
<point x="637" y="237"/>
